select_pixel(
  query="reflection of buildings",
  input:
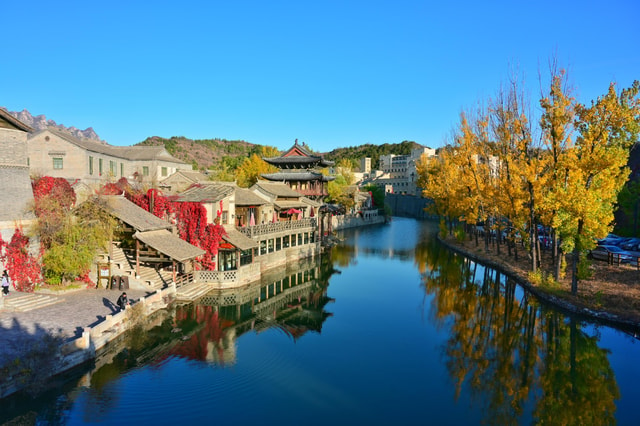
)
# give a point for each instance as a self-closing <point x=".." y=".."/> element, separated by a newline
<point x="293" y="302"/>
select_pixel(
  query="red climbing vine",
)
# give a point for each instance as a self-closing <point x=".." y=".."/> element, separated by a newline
<point x="189" y="217"/>
<point x="23" y="268"/>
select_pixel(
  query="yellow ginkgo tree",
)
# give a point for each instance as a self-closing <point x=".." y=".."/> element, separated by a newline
<point x="596" y="169"/>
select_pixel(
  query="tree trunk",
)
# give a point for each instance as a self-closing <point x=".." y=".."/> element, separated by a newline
<point x="532" y="229"/>
<point x="558" y="265"/>
<point x="576" y="259"/>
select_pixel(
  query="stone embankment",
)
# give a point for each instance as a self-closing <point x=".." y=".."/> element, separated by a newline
<point x="23" y="353"/>
<point x="543" y="295"/>
<point x="372" y="217"/>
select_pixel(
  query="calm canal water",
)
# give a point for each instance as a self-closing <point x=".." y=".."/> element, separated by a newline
<point x="390" y="328"/>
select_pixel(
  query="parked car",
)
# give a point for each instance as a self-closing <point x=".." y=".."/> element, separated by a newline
<point x="611" y="240"/>
<point x="603" y="252"/>
<point x="631" y="244"/>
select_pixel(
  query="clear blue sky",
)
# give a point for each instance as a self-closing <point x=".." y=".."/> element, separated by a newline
<point x="330" y="73"/>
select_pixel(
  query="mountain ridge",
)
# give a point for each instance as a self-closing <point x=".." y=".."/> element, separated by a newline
<point x="40" y="122"/>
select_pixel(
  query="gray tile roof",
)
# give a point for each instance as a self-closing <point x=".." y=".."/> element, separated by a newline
<point x="171" y="245"/>
<point x="4" y="115"/>
<point x="205" y="192"/>
<point x="276" y="189"/>
<point x="296" y="176"/>
<point x="285" y="205"/>
<point x="132" y="215"/>
<point x="244" y="197"/>
<point x="124" y="152"/>
<point x="238" y="239"/>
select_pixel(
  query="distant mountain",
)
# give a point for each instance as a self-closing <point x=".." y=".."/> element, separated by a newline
<point x="40" y="122"/>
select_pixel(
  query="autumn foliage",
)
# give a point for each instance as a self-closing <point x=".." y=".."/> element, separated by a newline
<point x="23" y="268"/>
<point x="190" y="219"/>
<point x="496" y="174"/>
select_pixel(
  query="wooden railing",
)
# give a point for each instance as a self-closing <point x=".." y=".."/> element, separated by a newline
<point x="184" y="279"/>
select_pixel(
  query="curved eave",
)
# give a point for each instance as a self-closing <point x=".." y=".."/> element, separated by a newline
<point x="295" y="177"/>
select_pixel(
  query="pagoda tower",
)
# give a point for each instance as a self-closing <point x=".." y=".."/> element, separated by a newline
<point x="299" y="169"/>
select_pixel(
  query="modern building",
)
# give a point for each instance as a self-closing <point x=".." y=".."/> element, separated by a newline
<point x="399" y="173"/>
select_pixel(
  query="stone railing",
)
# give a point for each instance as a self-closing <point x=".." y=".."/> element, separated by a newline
<point x="278" y="227"/>
<point x="215" y="276"/>
<point x="82" y="349"/>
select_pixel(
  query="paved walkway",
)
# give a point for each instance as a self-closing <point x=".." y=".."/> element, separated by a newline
<point x="68" y="318"/>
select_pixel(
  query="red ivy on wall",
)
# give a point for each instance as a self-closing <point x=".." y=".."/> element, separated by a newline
<point x="190" y="219"/>
<point x="58" y="189"/>
<point x="23" y="268"/>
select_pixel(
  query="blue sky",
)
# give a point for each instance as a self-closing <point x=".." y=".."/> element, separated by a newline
<point x="330" y="73"/>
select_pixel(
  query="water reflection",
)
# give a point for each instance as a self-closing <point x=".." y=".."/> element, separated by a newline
<point x="516" y="358"/>
<point x="294" y="303"/>
<point x="415" y="333"/>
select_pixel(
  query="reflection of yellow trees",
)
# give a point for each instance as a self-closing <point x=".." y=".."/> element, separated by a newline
<point x="343" y="255"/>
<point x="577" y="382"/>
<point x="507" y="353"/>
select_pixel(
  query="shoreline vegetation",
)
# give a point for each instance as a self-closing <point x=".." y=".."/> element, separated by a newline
<point x="610" y="296"/>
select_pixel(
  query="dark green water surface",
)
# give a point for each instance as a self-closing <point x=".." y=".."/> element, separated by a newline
<point x="389" y="328"/>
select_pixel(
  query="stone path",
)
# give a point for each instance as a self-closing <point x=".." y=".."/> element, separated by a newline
<point x="68" y="318"/>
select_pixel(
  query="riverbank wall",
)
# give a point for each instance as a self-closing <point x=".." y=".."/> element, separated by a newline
<point x="603" y="317"/>
<point x="373" y="217"/>
<point x="408" y="206"/>
<point x="76" y="352"/>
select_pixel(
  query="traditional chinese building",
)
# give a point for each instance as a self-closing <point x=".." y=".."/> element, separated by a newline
<point x="299" y="169"/>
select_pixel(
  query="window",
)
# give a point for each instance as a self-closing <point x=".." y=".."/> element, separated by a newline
<point x="285" y="241"/>
<point x="263" y="247"/>
<point x="227" y="260"/>
<point x="100" y="166"/>
<point x="145" y="170"/>
<point x="121" y="169"/>
<point x="246" y="256"/>
<point x="306" y="238"/>
<point x="57" y="163"/>
<point x="270" y="244"/>
<point x="225" y="217"/>
<point x="299" y="239"/>
<point x="278" y="243"/>
<point x="164" y="171"/>
<point x="293" y="240"/>
<point x="112" y="167"/>
<point x="90" y="165"/>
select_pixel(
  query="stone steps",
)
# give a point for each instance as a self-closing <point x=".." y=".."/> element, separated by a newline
<point x="192" y="291"/>
<point x="24" y="302"/>
<point x="154" y="280"/>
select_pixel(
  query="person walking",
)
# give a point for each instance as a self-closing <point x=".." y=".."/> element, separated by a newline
<point x="5" y="283"/>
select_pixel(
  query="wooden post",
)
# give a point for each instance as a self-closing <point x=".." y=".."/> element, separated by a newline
<point x="137" y="258"/>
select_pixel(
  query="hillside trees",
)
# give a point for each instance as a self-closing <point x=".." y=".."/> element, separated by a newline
<point x="372" y="151"/>
<point x="569" y="185"/>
